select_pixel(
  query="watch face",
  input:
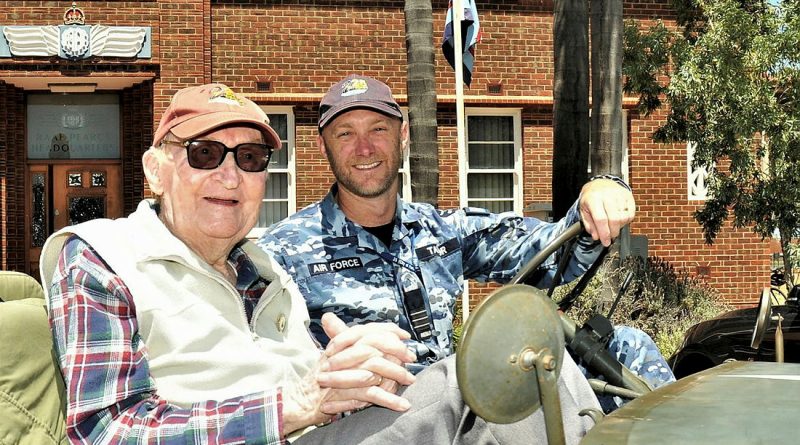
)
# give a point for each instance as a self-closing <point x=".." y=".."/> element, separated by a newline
<point x="75" y="42"/>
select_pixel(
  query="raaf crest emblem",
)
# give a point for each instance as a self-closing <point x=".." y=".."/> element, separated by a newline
<point x="354" y="86"/>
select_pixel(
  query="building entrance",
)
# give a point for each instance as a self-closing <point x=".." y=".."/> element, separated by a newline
<point x="63" y="194"/>
<point x="74" y="167"/>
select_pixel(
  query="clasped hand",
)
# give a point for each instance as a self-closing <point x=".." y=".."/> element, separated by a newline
<point x="362" y="365"/>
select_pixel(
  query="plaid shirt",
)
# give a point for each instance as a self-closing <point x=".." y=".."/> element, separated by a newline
<point x="111" y="397"/>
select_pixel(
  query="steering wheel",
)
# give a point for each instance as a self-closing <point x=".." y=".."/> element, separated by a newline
<point x="531" y="274"/>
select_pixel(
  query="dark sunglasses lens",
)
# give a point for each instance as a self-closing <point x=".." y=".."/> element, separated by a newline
<point x="205" y="155"/>
<point x="253" y="157"/>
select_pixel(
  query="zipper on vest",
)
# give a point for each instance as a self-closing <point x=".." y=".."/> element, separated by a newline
<point x="225" y="283"/>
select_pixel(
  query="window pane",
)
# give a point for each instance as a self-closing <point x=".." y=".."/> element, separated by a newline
<point x="272" y="212"/>
<point x="490" y="185"/>
<point x="490" y="128"/>
<point x="278" y="122"/>
<point x="494" y="206"/>
<point x="73" y="126"/>
<point x="277" y="186"/>
<point x="491" y="145"/>
<point x="277" y="192"/>
<point x="85" y="208"/>
<point x="280" y="158"/>
<point x="39" y="196"/>
<point x="491" y="155"/>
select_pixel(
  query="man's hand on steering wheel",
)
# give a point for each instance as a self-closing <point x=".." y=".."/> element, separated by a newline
<point x="606" y="207"/>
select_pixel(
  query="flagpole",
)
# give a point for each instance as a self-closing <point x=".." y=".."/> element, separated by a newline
<point x="458" y="17"/>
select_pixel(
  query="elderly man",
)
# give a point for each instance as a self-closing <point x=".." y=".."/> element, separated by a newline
<point x="171" y="327"/>
<point x="366" y="255"/>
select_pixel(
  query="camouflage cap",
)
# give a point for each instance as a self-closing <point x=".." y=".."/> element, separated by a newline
<point x="355" y="91"/>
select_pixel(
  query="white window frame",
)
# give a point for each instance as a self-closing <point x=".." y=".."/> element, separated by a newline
<point x="626" y="174"/>
<point x="516" y="171"/>
<point x="405" y="165"/>
<point x="463" y="170"/>
<point x="696" y="187"/>
<point x="290" y="170"/>
<point x="405" y="170"/>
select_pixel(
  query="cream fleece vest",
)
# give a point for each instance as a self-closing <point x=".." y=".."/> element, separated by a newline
<point x="192" y="322"/>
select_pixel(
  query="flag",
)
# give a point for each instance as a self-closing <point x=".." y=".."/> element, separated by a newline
<point x="470" y="36"/>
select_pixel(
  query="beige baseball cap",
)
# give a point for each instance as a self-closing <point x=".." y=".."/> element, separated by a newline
<point x="200" y="109"/>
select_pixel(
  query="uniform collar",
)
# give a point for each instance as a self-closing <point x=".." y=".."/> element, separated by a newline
<point x="335" y="222"/>
<point x="410" y="214"/>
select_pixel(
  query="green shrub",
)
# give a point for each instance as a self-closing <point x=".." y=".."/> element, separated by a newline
<point x="458" y="325"/>
<point x="659" y="300"/>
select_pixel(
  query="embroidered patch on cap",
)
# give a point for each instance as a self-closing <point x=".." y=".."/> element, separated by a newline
<point x="226" y="96"/>
<point x="354" y="86"/>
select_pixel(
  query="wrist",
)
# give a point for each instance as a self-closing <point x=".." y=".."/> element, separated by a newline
<point x="616" y="179"/>
<point x="300" y="406"/>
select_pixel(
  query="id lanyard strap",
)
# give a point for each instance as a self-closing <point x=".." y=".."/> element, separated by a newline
<point x="413" y="297"/>
<point x="415" y="306"/>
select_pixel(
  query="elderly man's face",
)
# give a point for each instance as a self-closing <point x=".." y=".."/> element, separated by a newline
<point x="364" y="149"/>
<point x="207" y="205"/>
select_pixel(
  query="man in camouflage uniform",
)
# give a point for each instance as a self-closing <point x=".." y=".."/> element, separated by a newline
<point x="368" y="256"/>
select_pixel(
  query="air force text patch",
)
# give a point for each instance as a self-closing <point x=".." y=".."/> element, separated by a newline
<point x="335" y="266"/>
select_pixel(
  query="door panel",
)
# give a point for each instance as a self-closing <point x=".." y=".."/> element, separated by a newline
<point x="66" y="194"/>
<point x="82" y="192"/>
<point x="38" y="215"/>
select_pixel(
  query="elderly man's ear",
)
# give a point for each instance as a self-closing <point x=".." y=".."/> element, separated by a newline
<point x="151" y="161"/>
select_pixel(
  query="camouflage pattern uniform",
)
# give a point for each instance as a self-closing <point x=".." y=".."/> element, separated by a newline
<point x="341" y="267"/>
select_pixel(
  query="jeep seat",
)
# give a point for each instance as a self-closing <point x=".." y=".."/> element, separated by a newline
<point x="18" y="286"/>
<point x="32" y="396"/>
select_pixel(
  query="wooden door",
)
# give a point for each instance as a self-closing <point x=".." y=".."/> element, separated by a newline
<point x="84" y="192"/>
<point x="70" y="193"/>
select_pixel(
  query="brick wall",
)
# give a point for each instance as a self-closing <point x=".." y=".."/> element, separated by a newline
<point x="737" y="264"/>
<point x="137" y="134"/>
<point x="12" y="185"/>
<point x="180" y="38"/>
<point x="304" y="47"/>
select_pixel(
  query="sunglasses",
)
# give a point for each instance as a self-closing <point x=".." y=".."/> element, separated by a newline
<point x="208" y="155"/>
